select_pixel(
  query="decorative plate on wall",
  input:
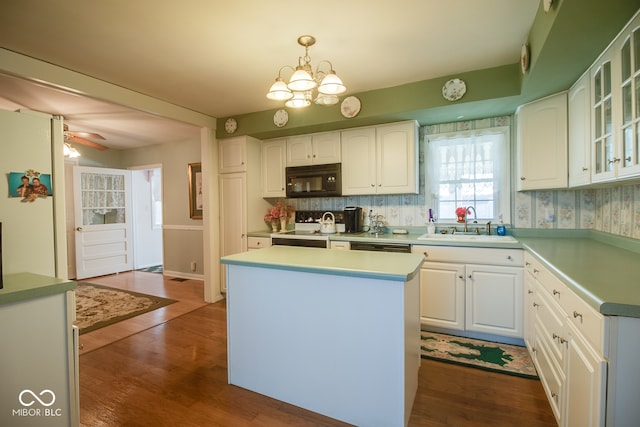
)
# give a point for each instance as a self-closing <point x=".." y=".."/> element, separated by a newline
<point x="454" y="89"/>
<point x="230" y="125"/>
<point x="350" y="107"/>
<point x="280" y="118"/>
<point x="524" y="58"/>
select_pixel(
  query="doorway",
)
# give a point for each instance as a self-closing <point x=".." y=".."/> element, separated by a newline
<point x="144" y="247"/>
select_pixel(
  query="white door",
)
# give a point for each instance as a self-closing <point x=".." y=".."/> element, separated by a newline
<point x="102" y="221"/>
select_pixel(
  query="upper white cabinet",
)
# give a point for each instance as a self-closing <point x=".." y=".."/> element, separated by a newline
<point x="314" y="149"/>
<point x="615" y="108"/>
<point x="274" y="159"/>
<point x="542" y="144"/>
<point x="232" y="155"/>
<point x="579" y="104"/>
<point x="380" y="159"/>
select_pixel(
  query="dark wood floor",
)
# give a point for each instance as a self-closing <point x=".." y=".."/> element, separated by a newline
<point x="175" y="374"/>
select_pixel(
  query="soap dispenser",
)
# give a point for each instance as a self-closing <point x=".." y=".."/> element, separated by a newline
<point x="500" y="230"/>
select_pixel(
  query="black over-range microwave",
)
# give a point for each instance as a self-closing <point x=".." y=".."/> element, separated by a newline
<point x="314" y="181"/>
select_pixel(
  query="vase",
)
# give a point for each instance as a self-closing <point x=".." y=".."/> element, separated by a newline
<point x="283" y="225"/>
<point x="274" y="227"/>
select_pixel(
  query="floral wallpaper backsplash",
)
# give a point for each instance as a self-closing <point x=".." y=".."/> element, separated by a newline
<point x="614" y="209"/>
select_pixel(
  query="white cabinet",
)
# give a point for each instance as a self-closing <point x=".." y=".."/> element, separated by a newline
<point x="313" y="149"/>
<point x="442" y="295"/>
<point x="241" y="205"/>
<point x="380" y="159"/>
<point x="232" y="155"/>
<point x="615" y="84"/>
<point x="258" y="243"/>
<point x="542" y="144"/>
<point x="494" y="300"/>
<point x="579" y="105"/>
<point x="39" y="352"/>
<point x="340" y="245"/>
<point x="274" y="159"/>
<point x="472" y="289"/>
<point x="570" y="343"/>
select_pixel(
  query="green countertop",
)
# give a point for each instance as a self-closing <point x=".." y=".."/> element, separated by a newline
<point x="607" y="277"/>
<point x="365" y="264"/>
<point x="25" y="286"/>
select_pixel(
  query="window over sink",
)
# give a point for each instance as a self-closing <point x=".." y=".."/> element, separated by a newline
<point x="469" y="168"/>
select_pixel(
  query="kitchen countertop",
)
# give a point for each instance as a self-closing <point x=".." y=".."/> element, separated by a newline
<point x="605" y="276"/>
<point x="24" y="286"/>
<point x="604" y="270"/>
<point x="372" y="265"/>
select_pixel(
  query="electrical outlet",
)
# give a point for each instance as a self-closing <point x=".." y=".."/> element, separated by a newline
<point x="193" y="266"/>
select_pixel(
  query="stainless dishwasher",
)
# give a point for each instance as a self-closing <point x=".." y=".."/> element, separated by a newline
<point x="381" y="247"/>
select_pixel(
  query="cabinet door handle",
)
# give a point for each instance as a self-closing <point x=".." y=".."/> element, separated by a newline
<point x="314" y="156"/>
<point x="461" y="276"/>
<point x="627" y="159"/>
<point x="469" y="276"/>
<point x="522" y="178"/>
<point x="576" y="315"/>
<point x="536" y="271"/>
<point x="556" y="292"/>
<point x="425" y="254"/>
<point x="535" y="304"/>
<point x="584" y="169"/>
<point x="529" y="291"/>
<point x="373" y="185"/>
<point x="527" y="263"/>
<point x="509" y="257"/>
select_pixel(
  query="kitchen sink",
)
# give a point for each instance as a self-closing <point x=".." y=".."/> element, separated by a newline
<point x="468" y="238"/>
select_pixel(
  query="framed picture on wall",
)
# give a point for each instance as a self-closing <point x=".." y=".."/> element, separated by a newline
<point x="195" y="190"/>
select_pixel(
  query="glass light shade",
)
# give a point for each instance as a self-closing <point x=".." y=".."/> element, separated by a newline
<point x="279" y="91"/>
<point x="323" y="99"/>
<point x="299" y="100"/>
<point x="331" y="84"/>
<point x="70" y="151"/>
<point x="301" y="81"/>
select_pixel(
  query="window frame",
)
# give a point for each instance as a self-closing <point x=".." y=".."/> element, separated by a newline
<point x="502" y="208"/>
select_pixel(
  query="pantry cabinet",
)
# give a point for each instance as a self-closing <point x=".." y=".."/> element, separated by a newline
<point x="477" y="290"/>
<point x="241" y="204"/>
<point x="313" y="149"/>
<point x="380" y="159"/>
<point x="273" y="168"/>
<point x="542" y="144"/>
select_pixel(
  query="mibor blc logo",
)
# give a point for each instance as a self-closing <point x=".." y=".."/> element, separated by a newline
<point x="37" y="404"/>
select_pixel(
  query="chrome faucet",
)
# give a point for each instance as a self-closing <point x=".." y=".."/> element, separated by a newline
<point x="466" y="216"/>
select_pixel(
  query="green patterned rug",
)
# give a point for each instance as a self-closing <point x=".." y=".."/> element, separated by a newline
<point x="491" y="356"/>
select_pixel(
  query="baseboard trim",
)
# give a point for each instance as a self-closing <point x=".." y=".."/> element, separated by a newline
<point x="183" y="275"/>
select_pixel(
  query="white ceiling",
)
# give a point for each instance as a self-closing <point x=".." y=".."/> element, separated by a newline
<point x="219" y="58"/>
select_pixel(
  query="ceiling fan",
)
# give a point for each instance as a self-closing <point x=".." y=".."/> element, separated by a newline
<point x="81" y="138"/>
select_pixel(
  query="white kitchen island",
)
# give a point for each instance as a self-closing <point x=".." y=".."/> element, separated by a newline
<point x="335" y="332"/>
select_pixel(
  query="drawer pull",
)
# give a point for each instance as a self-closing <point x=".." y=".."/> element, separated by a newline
<point x="576" y="315"/>
<point x="556" y="292"/>
<point x="559" y="338"/>
<point x="535" y="304"/>
<point x="529" y="291"/>
<point x="536" y="271"/>
<point x="461" y="277"/>
<point x="425" y="254"/>
<point x="509" y="257"/>
<point x="527" y="263"/>
<point x="554" y="395"/>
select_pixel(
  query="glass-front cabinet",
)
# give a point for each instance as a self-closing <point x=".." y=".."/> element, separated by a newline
<point x="615" y="104"/>
<point x="630" y="98"/>
<point x="603" y="158"/>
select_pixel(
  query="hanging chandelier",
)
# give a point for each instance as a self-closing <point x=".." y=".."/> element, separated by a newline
<point x="305" y="84"/>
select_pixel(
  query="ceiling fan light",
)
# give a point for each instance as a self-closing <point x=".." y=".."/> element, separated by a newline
<point x="299" y="100"/>
<point x="331" y="84"/>
<point x="279" y="91"/>
<point x="70" y="151"/>
<point x="301" y="80"/>
<point x="323" y="99"/>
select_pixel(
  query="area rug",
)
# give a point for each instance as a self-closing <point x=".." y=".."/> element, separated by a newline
<point x="491" y="356"/>
<point x="98" y="306"/>
<point x="152" y="269"/>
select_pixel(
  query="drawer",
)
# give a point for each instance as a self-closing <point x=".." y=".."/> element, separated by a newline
<point x="258" y="242"/>
<point x="592" y="325"/>
<point x="468" y="255"/>
<point x="550" y="320"/>
<point x="552" y="379"/>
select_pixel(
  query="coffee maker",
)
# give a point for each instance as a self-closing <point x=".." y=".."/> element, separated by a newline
<point x="352" y="219"/>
